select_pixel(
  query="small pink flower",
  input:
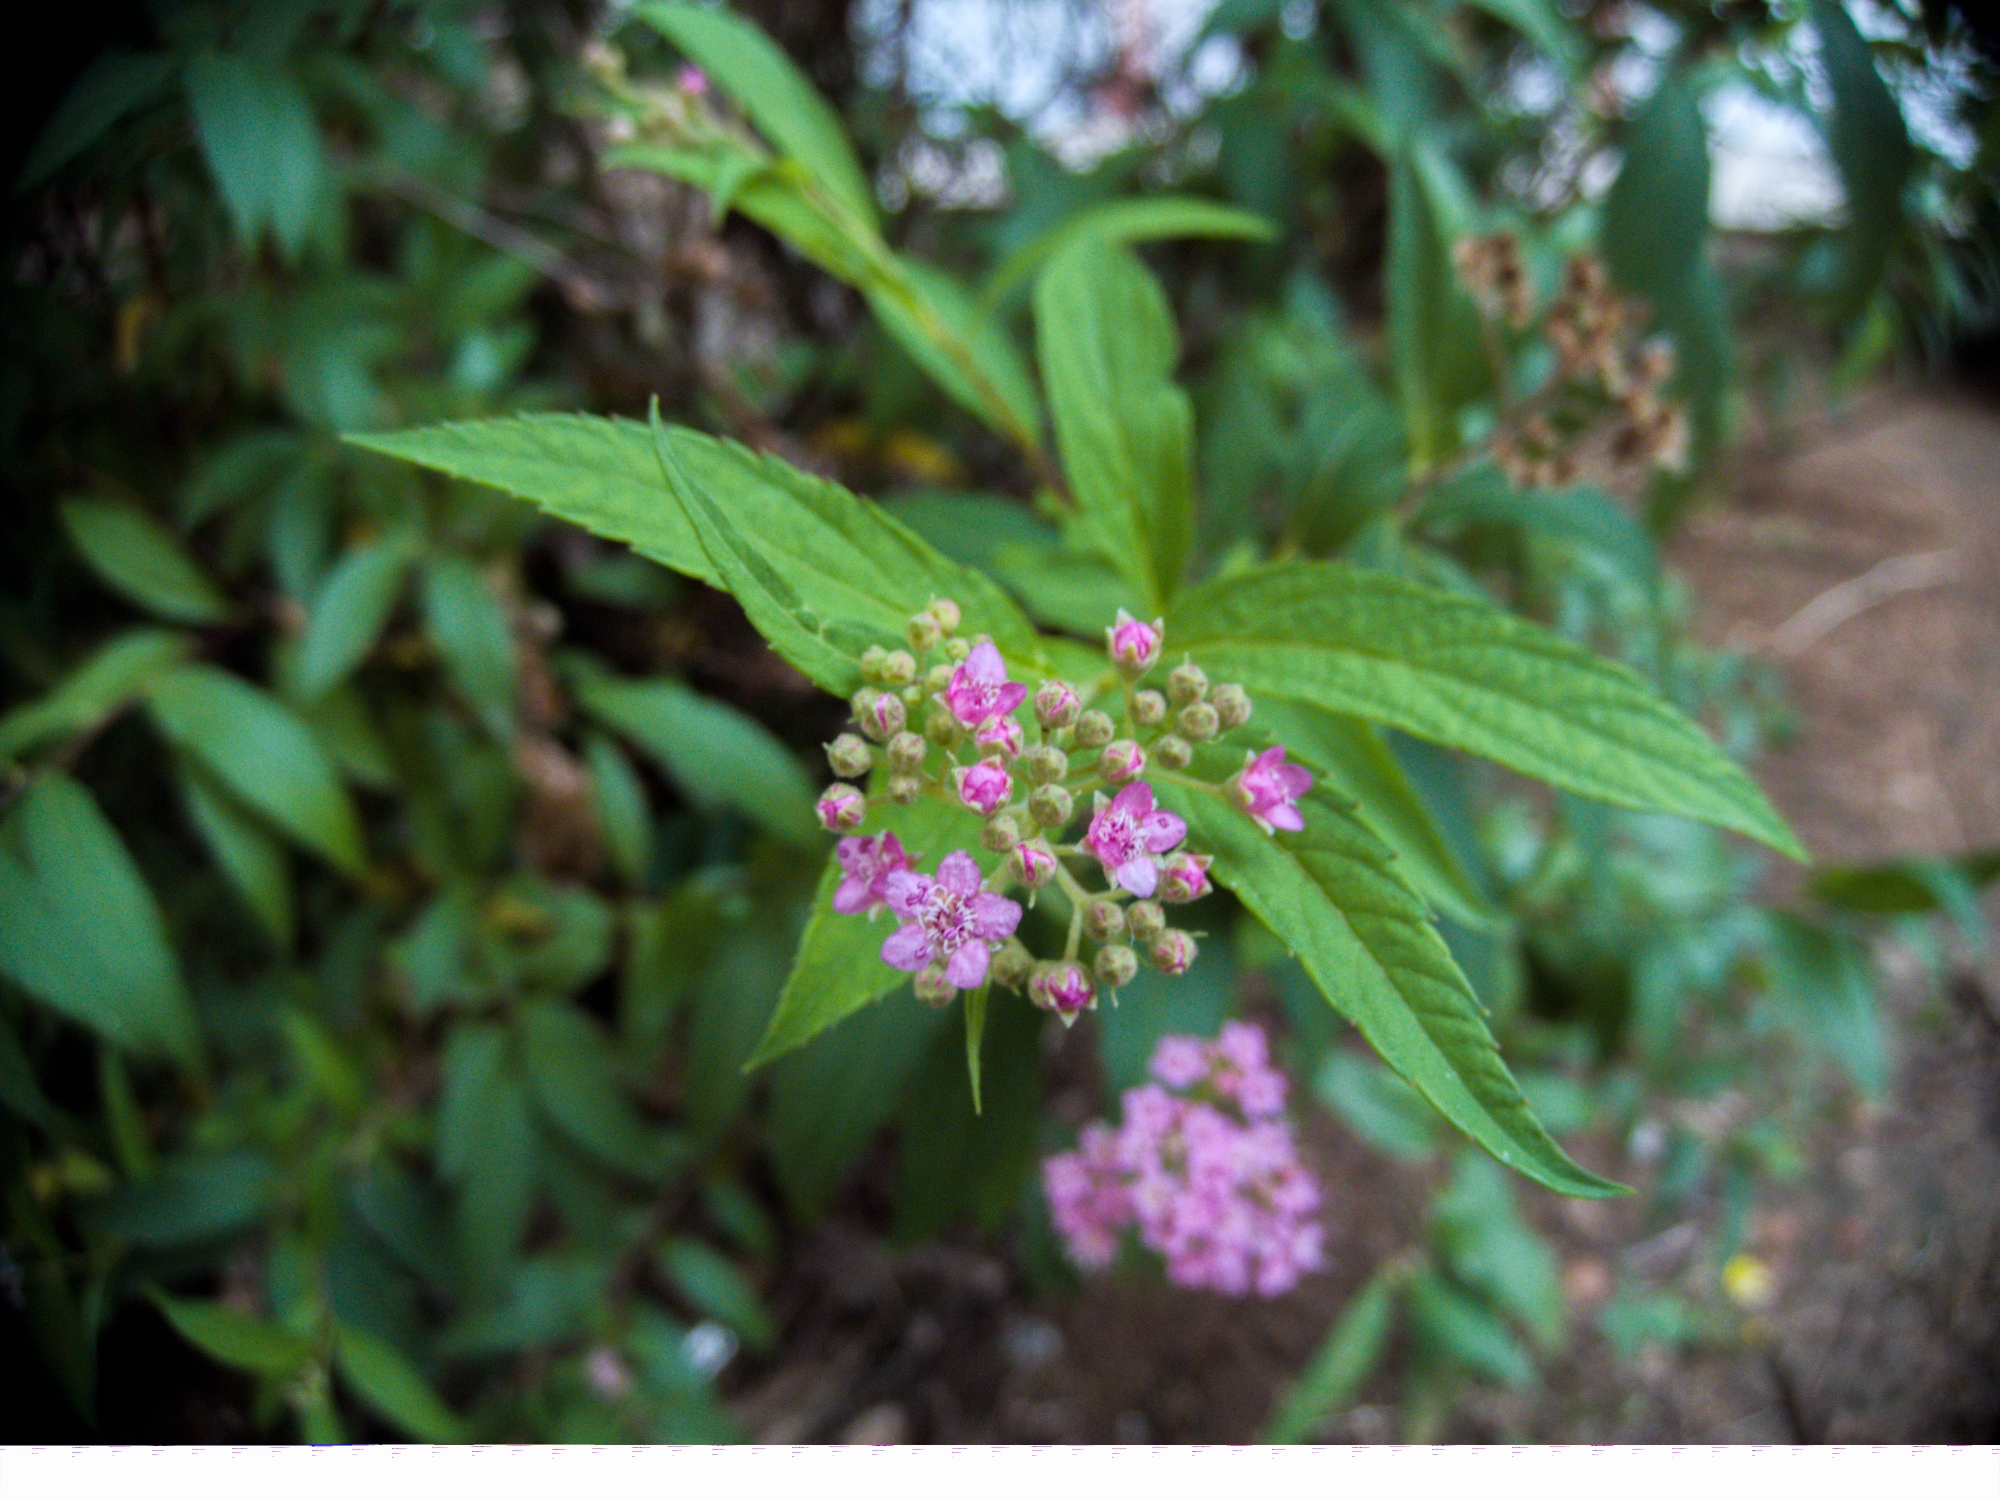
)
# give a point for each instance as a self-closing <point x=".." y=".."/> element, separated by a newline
<point x="1002" y="732"/>
<point x="691" y="80"/>
<point x="1064" y="988"/>
<point x="949" y="920"/>
<point x="865" y="867"/>
<point x="1184" y="877"/>
<point x="1033" y="864"/>
<point x="1269" y="790"/>
<point x="607" y="1373"/>
<point x="1126" y="832"/>
<point x="984" y="787"/>
<point x="979" y="688"/>
<point x="1057" y="705"/>
<point x="841" y="808"/>
<point x="1179" y="1061"/>
<point x="1122" y="761"/>
<point x="1133" y="645"/>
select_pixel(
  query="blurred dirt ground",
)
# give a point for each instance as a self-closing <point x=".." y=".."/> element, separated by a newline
<point x="1862" y="552"/>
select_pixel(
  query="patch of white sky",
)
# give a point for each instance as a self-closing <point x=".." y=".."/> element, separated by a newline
<point x="1770" y="166"/>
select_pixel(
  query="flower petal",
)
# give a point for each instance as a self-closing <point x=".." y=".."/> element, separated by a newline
<point x="1162" y="830"/>
<point x="1136" y="799"/>
<point x="1286" y="816"/>
<point x="958" y="872"/>
<point x="968" y="966"/>
<point x="1139" y="876"/>
<point x="985" y="664"/>
<point x="851" y="896"/>
<point x="994" y="917"/>
<point x="905" y="891"/>
<point x="907" y="948"/>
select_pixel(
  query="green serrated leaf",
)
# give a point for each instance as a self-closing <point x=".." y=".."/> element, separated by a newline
<point x="390" y="1386"/>
<point x="349" y="612"/>
<point x="716" y="754"/>
<point x="1329" y="895"/>
<point x="142" y="560"/>
<point x="94" y="691"/>
<point x="1459" y="672"/>
<point x="1125" y="431"/>
<point x="79" y="929"/>
<point x="236" y="1339"/>
<point x="263" y="754"/>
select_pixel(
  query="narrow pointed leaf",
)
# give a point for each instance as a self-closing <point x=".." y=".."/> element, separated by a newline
<point x="254" y="861"/>
<point x="349" y="612"/>
<point x="143" y="560"/>
<point x="256" y="129"/>
<point x="236" y="1339"/>
<point x="387" y="1383"/>
<point x="1459" y="672"/>
<point x="94" y="691"/>
<point x="1343" y="1362"/>
<point x="1127" y="221"/>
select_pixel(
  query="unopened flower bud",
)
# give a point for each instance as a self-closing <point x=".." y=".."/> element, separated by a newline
<point x="1173" y="951"/>
<point x="937" y="679"/>
<point x="1094" y="729"/>
<point x="907" y="751"/>
<point x="1032" y="864"/>
<point x="1104" y="921"/>
<point x="899" y="668"/>
<point x="1000" y="834"/>
<point x="874" y="662"/>
<point x="1051" y="806"/>
<point x="1184" y="877"/>
<point x="1011" y="965"/>
<point x="942" y="728"/>
<point x="1043" y="764"/>
<point x="933" y="988"/>
<point x="1122" y="761"/>
<point x="903" y="789"/>
<point x="1061" y="987"/>
<point x="1149" y="708"/>
<point x="1116" y="966"/>
<point x="1133" y="645"/>
<point x="912" y="696"/>
<point x="1187" y="684"/>
<point x="1145" y="921"/>
<point x="984" y="787"/>
<point x="945" y="612"/>
<point x="1198" y="722"/>
<point x="922" y="633"/>
<point x="957" y="650"/>
<point x="850" y="756"/>
<point x="1232" y="705"/>
<point x="1001" y="734"/>
<point x="863" y="697"/>
<point x="841" y="808"/>
<point x="1172" y="753"/>
<point x="1056" y="705"/>
<point x="883" y="719"/>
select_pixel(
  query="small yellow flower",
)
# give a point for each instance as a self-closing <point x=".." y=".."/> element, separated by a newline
<point x="1749" y="1282"/>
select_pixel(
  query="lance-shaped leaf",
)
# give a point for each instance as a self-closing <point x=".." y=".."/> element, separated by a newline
<point x="236" y="1339"/>
<point x="80" y="931"/>
<point x="94" y="690"/>
<point x="143" y="560"/>
<point x="349" y="612"/>
<point x="1127" y="221"/>
<point x="1329" y="894"/>
<point x="1434" y="347"/>
<point x="1459" y="672"/>
<point x="1870" y="145"/>
<point x="263" y="754"/>
<point x="838" y="967"/>
<point x="254" y="861"/>
<point x="1125" y="430"/>
<point x="959" y="344"/>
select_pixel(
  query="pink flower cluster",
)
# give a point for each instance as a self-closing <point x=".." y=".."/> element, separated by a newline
<point x="1203" y="1166"/>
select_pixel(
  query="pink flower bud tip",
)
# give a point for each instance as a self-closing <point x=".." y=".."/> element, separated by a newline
<point x="1184" y="877"/>
<point x="1034" y="864"/>
<point x="984" y="787"/>
<point x="1121" y="761"/>
<point x="1132" y="644"/>
<point x="1126" y="833"/>
<point x="1064" y="988"/>
<point x="950" y="920"/>
<point x="1269" y="790"/>
<point x="979" y="688"/>
<point x="1001" y="733"/>
<point x="841" y="808"/>
<point x="1057" y="705"/>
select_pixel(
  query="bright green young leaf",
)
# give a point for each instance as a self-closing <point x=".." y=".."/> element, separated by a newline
<point x="109" y="89"/>
<point x="471" y="632"/>
<point x="717" y="755"/>
<point x="1459" y="672"/>
<point x="264" y="755"/>
<point x="622" y="809"/>
<point x="349" y="612"/>
<point x="256" y="129"/>
<point x="1125" y="431"/>
<point x="390" y="1386"/>
<point x="1343" y="1362"/>
<point x="781" y="103"/>
<point x="1355" y="763"/>
<point x="80" y="931"/>
<point x="838" y="967"/>
<point x="572" y="1070"/>
<point x="1329" y="894"/>
<point x="142" y="560"/>
<point x="1870" y="145"/>
<point x="236" y="1339"/>
<point x="718" y="1289"/>
<point x="1434" y="346"/>
<point x="96" y="689"/>
<point x="254" y="861"/>
<point x="1127" y="221"/>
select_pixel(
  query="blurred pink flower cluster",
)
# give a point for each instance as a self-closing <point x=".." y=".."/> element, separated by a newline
<point x="1203" y="1165"/>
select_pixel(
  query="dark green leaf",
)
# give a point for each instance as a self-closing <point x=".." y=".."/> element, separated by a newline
<point x="263" y="754"/>
<point x="1434" y="345"/>
<point x="575" y="1083"/>
<point x="254" y="861"/>
<point x="960" y="345"/>
<point x="1154" y="1006"/>
<point x="1871" y="147"/>
<point x="109" y="89"/>
<point x="1459" y="672"/>
<point x="1584" y="516"/>
<point x="141" y="559"/>
<point x="349" y="612"/>
<point x="472" y="633"/>
<point x="236" y="1339"/>
<point x="256" y="130"/>
<point x="1127" y="221"/>
<point x="80" y="931"/>
<point x="390" y="1386"/>
<point x="1821" y="980"/>
<point x="486" y="1143"/>
<point x="190" y="1200"/>
<point x="718" y="1289"/>
<point x="92" y="692"/>
<point x="1466" y="1332"/>
<point x="622" y="810"/>
<point x="1655" y="217"/>
<point x="1380" y="1108"/>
